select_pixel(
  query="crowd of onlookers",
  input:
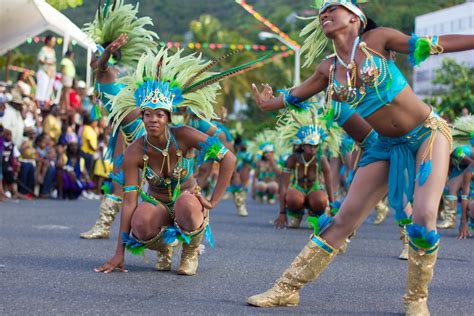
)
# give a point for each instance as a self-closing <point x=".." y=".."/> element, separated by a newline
<point x="49" y="145"/>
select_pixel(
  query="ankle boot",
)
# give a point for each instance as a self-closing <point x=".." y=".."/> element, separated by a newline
<point x="381" y="211"/>
<point x="108" y="209"/>
<point x="420" y="274"/>
<point x="189" y="255"/>
<point x="164" y="255"/>
<point x="404" y="238"/>
<point x="450" y="208"/>
<point x="307" y="266"/>
<point x="240" y="197"/>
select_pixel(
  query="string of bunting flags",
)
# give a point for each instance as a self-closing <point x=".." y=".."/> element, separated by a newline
<point x="214" y="46"/>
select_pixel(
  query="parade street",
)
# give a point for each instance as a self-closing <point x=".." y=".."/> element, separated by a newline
<point x="46" y="269"/>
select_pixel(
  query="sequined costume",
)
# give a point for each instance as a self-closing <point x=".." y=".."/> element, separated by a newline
<point x="381" y="83"/>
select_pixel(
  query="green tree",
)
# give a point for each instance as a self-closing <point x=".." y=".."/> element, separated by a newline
<point x="455" y="91"/>
<point x="64" y="4"/>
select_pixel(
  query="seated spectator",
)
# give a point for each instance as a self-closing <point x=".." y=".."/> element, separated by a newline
<point x="28" y="159"/>
<point x="52" y="124"/>
<point x="2" y="192"/>
<point x="76" y="181"/>
<point x="89" y="142"/>
<point x="102" y="167"/>
<point x="10" y="164"/>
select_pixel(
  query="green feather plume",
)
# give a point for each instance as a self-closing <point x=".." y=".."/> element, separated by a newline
<point x="137" y="251"/>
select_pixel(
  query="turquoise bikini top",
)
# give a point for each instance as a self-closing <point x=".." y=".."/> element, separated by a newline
<point x="181" y="173"/>
<point x="105" y="90"/>
<point x="381" y="80"/>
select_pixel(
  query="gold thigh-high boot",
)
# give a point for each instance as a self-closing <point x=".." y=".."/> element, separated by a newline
<point x="307" y="266"/>
<point x="381" y="211"/>
<point x="404" y="238"/>
<point x="420" y="273"/>
<point x="108" y="209"/>
<point x="450" y="205"/>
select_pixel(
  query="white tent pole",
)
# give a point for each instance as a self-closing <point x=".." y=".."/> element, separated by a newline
<point x="66" y="40"/>
<point x="88" y="68"/>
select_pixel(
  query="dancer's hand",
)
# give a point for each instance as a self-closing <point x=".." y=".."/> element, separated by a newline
<point x="262" y="97"/>
<point x="464" y="231"/>
<point x="281" y="221"/>
<point x="116" y="263"/>
<point x="206" y="204"/>
<point x="118" y="43"/>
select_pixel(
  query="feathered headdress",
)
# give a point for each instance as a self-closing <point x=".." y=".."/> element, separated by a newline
<point x="305" y="128"/>
<point x="315" y="41"/>
<point x="463" y="131"/>
<point x="114" y="18"/>
<point x="167" y="81"/>
<point x="264" y="142"/>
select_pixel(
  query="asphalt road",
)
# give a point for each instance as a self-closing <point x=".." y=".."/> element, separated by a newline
<point x="45" y="269"/>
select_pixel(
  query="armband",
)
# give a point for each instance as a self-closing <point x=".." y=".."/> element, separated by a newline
<point x="130" y="188"/>
<point x="420" y="48"/>
<point x="211" y="150"/>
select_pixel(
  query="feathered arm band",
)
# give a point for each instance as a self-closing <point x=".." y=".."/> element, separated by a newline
<point x="422" y="47"/>
<point x="211" y="150"/>
<point x="294" y="103"/>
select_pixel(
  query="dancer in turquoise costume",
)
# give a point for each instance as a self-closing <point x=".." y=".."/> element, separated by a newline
<point x="172" y="209"/>
<point x="461" y="158"/>
<point x="307" y="169"/>
<point x="463" y="131"/>
<point x="411" y="154"/>
<point x="267" y="173"/>
<point x="240" y="178"/>
<point x="121" y="38"/>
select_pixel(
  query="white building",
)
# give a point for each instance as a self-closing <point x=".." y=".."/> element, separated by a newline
<point x="454" y="20"/>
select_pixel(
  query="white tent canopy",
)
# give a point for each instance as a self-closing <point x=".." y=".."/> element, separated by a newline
<point x="23" y="19"/>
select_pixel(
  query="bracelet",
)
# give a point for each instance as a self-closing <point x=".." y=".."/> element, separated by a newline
<point x="464" y="197"/>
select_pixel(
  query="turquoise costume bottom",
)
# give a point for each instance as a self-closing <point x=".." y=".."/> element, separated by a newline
<point x="401" y="152"/>
<point x="130" y="132"/>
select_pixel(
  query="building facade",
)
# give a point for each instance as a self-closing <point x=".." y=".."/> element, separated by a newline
<point x="454" y="20"/>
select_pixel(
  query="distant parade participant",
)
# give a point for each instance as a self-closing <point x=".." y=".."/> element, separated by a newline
<point x="463" y="131"/>
<point x="410" y="154"/>
<point x="240" y="179"/>
<point x="461" y="157"/>
<point x="308" y="170"/>
<point x="121" y="39"/>
<point x="267" y="173"/>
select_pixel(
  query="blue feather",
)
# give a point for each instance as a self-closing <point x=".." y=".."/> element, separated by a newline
<point x="118" y="177"/>
<point x="421" y="237"/>
<point x="424" y="172"/>
<point x="118" y="161"/>
<point x="209" y="236"/>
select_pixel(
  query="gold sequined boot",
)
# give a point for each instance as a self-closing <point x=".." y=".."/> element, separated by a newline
<point x="450" y="205"/>
<point x="240" y="198"/>
<point x="108" y="209"/>
<point x="306" y="267"/>
<point x="404" y="238"/>
<point x="381" y="211"/>
<point x="189" y="256"/>
<point x="420" y="274"/>
<point x="343" y="248"/>
<point x="164" y="256"/>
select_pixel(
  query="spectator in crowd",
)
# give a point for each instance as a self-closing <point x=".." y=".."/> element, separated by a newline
<point x="46" y="170"/>
<point x="76" y="181"/>
<point x="2" y="192"/>
<point x="46" y="73"/>
<point x="13" y="118"/>
<point x="85" y="96"/>
<point x="89" y="140"/>
<point x="28" y="163"/>
<point x="52" y="124"/>
<point x="24" y="85"/>
<point x="68" y="73"/>
<point x="10" y="164"/>
<point x="102" y="167"/>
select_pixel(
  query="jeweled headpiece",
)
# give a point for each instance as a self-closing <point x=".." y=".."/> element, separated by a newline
<point x="169" y="80"/>
<point x="350" y="5"/>
<point x="305" y="128"/>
